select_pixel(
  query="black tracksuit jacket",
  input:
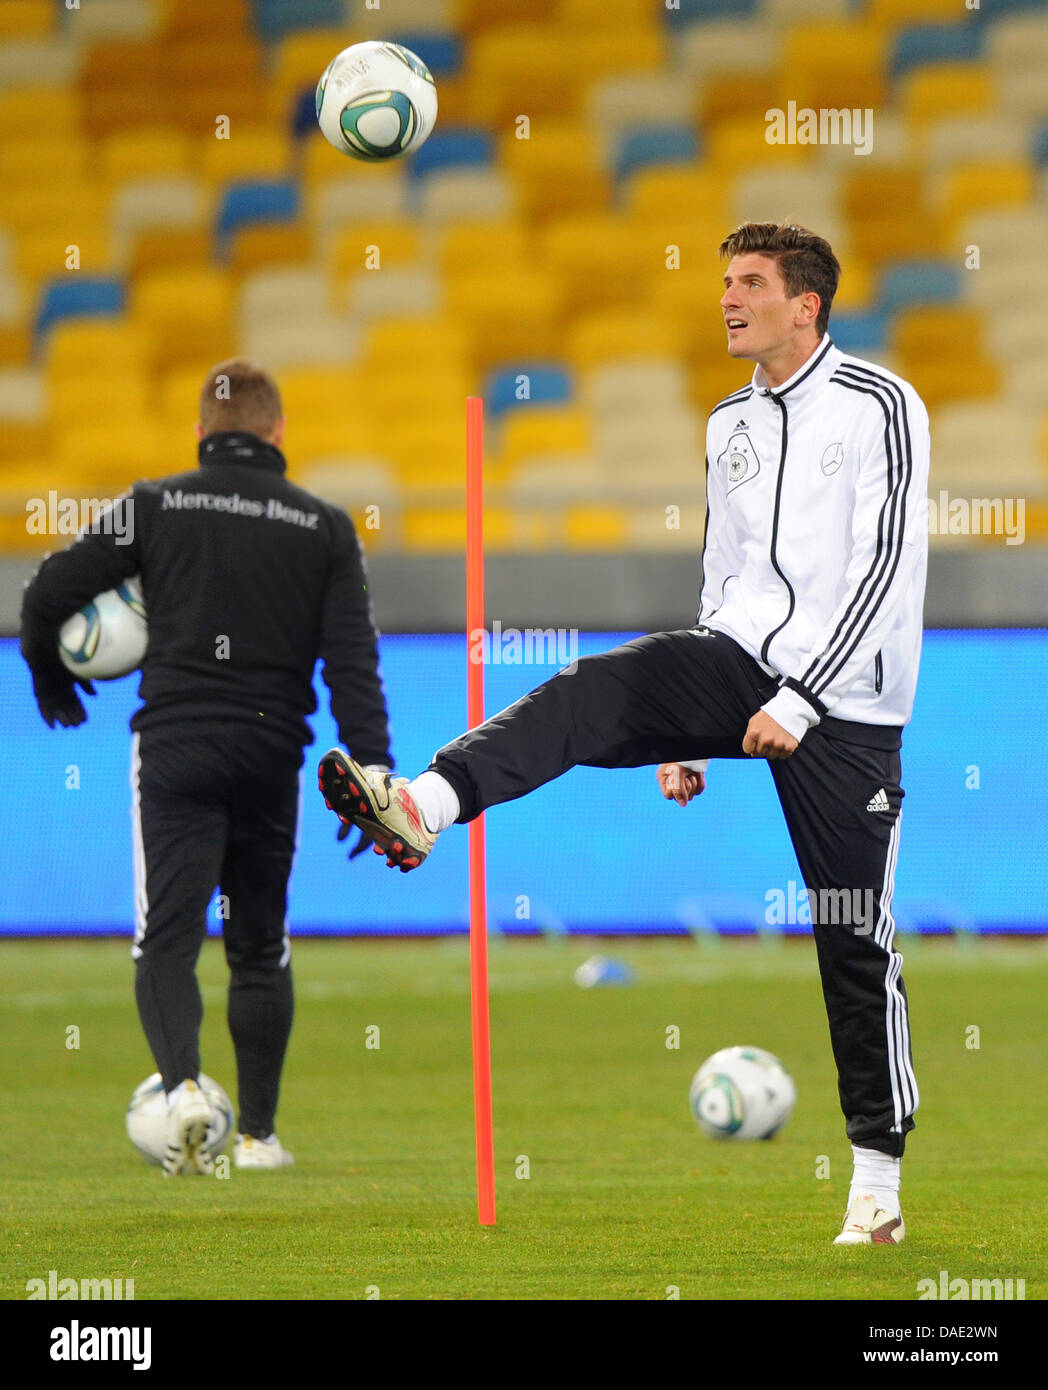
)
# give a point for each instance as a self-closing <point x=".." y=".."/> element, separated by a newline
<point x="248" y="580"/>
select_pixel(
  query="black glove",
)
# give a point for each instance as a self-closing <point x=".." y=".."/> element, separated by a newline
<point x="364" y="843"/>
<point x="57" y="699"/>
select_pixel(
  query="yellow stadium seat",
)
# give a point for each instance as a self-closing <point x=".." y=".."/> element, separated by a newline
<point x="256" y="247"/>
<point x="391" y="346"/>
<point x="621" y="334"/>
<point x="40" y="255"/>
<point x="730" y="94"/>
<point x="680" y="191"/>
<point x="578" y="14"/>
<point x="110" y="457"/>
<point x="970" y="188"/>
<point x="250" y="152"/>
<point x="887" y="213"/>
<point x="372" y="246"/>
<point x="108" y="346"/>
<point x="940" y="380"/>
<point x="558" y="168"/>
<point x="470" y="15"/>
<point x="36" y="158"/>
<point x="538" y="429"/>
<point x="943" y="89"/>
<point x="839" y="64"/>
<point x="16" y="344"/>
<point x="917" y="11"/>
<point x="95" y="397"/>
<point x="509" y="316"/>
<point x="951" y="332"/>
<point x="515" y="529"/>
<point x="600" y="50"/>
<point x="857" y="288"/>
<point x="178" y="397"/>
<point x="434" y="529"/>
<point x="599" y="258"/>
<point x="27" y="19"/>
<point x="480" y="244"/>
<point x="596" y="527"/>
<point x="164" y="250"/>
<point x="64" y="208"/>
<point x="298" y="62"/>
<point x="188" y="313"/>
<point x="428" y="453"/>
<point x="688" y="302"/>
<point x="144" y="153"/>
<point x="518" y="68"/>
<point x="177" y="17"/>
<point x="20" y="109"/>
<point x="717" y="376"/>
<point x="23" y="439"/>
<point x="738" y="143"/>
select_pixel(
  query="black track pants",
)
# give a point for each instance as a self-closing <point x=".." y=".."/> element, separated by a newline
<point x="678" y="696"/>
<point x="215" y="805"/>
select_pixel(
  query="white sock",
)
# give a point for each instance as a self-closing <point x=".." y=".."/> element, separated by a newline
<point x="437" y="799"/>
<point x="878" y="1175"/>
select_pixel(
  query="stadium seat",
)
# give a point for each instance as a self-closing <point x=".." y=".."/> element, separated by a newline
<point x="273" y="19"/>
<point x="36" y="158"/>
<point x="641" y="98"/>
<point x="739" y="142"/>
<point x="614" y="388"/>
<point x="917" y="11"/>
<point x="277" y="294"/>
<point x="296" y="64"/>
<point x="702" y="50"/>
<point x="449" y="194"/>
<point x="596" y="527"/>
<point x="188" y="313"/>
<point x="115" y="19"/>
<point x="970" y="188"/>
<point x="256" y="152"/>
<point x="640" y="148"/>
<point x="301" y="342"/>
<point x="513" y="69"/>
<point x="929" y="93"/>
<point x="361" y="197"/>
<point x="620" y="335"/>
<point x="108" y="347"/>
<point x="963" y="139"/>
<point x="690" y="11"/>
<point x="919" y="45"/>
<point x="41" y="254"/>
<point x="20" y="109"/>
<point x="169" y="203"/>
<point x="598" y="258"/>
<point x="544" y="429"/>
<point x="887" y="213"/>
<point x="144" y="153"/>
<point x="452" y="147"/>
<point x="859" y="333"/>
<point x="526" y="385"/>
<point x="256" y="200"/>
<point x="770" y="194"/>
<point x="391" y="344"/>
<point x="508" y="316"/>
<point x="397" y="291"/>
<point x="156" y="249"/>
<point x="484" y="244"/>
<point x="729" y="95"/>
<point x="701" y="195"/>
<point x="558" y="169"/>
<point x="839" y="64"/>
<point x="23" y="396"/>
<point x="372" y="247"/>
<point x="980" y="448"/>
<point x="178" y="18"/>
<point x="29" y="19"/>
<point x="254" y="248"/>
<point x="78" y="297"/>
<point x="27" y="60"/>
<point x="918" y="282"/>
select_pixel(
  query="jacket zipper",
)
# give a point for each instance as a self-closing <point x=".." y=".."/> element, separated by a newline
<point x="775" y="535"/>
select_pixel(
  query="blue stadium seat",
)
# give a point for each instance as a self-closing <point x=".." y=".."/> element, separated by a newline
<point x="547" y="382"/>
<point x="304" y="113"/>
<point x="641" y="146"/>
<point x="692" y="10"/>
<point x="1039" y="149"/>
<point x="441" y="53"/>
<point x="275" y="18"/>
<point x="255" y="200"/>
<point x="918" y="282"/>
<point x="858" y="333"/>
<point x="919" y="44"/>
<point x="76" y="296"/>
<point x="452" y="146"/>
<point x="986" y="14"/>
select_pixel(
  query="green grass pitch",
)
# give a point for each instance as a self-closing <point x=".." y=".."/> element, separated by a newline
<point x="606" y="1187"/>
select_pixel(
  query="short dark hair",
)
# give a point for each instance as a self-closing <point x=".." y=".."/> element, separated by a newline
<point x="806" y="261"/>
<point x="237" y="395"/>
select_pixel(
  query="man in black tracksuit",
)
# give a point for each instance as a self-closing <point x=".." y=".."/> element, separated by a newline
<point x="247" y="581"/>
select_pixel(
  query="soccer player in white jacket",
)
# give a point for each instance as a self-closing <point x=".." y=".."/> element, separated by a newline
<point x="805" y="653"/>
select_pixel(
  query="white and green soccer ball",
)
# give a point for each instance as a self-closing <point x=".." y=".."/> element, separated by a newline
<point x="147" y="1115"/>
<point x="376" y="101"/>
<point x="742" y="1093"/>
<point x="107" y="638"/>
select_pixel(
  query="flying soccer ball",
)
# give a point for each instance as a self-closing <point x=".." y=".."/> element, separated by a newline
<point x="107" y="638"/>
<point x="147" y="1118"/>
<point x="376" y="101"/>
<point x="742" y="1093"/>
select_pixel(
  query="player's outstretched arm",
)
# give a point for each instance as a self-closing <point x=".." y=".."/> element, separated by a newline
<point x="679" y="783"/>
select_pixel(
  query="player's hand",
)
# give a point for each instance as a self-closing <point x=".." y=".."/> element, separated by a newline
<point x="365" y="842"/>
<point x="679" y="783"/>
<point x="766" y="739"/>
<point x="57" y="699"/>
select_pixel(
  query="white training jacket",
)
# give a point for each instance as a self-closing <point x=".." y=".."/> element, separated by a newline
<point x="816" y="544"/>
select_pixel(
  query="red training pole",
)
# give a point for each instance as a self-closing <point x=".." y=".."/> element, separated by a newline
<point x="478" y="914"/>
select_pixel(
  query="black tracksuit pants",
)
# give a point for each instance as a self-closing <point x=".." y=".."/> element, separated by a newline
<point x="678" y="696"/>
<point x="215" y="804"/>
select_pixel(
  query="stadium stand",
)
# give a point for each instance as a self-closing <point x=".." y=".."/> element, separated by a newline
<point x="185" y="208"/>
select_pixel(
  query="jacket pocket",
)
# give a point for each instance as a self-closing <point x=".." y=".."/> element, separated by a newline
<point x="878" y="673"/>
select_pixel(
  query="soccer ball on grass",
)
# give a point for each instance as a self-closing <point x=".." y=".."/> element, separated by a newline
<point x="742" y="1093"/>
<point x="147" y="1118"/>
